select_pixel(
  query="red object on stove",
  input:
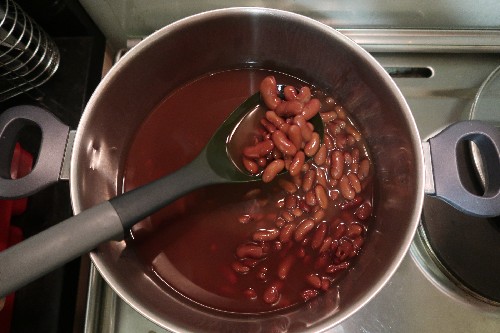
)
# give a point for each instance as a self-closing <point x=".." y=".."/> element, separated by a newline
<point x="21" y="165"/>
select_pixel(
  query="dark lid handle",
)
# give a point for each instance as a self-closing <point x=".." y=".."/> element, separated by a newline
<point x="445" y="167"/>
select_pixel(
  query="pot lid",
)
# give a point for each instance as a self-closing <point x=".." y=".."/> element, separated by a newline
<point x="465" y="247"/>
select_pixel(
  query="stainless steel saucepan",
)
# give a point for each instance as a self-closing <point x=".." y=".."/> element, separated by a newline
<point x="406" y="168"/>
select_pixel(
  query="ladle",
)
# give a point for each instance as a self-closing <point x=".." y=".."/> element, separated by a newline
<point x="81" y="233"/>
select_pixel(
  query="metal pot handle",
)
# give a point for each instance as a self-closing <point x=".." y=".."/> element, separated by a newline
<point x="442" y="169"/>
<point x="50" y="157"/>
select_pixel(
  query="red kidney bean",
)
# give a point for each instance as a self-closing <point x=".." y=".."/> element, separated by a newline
<point x="297" y="212"/>
<point x="297" y="180"/>
<point x="284" y="144"/>
<point x="280" y="222"/>
<point x="275" y="154"/>
<point x="262" y="162"/>
<point x="308" y="180"/>
<point x="312" y="145"/>
<point x="355" y="155"/>
<point x="334" y="127"/>
<point x="358" y="242"/>
<point x="347" y="158"/>
<point x="304" y="206"/>
<point x="265" y="235"/>
<point x="272" y="294"/>
<point x="354" y="168"/>
<point x="305" y="130"/>
<point x="325" y="284"/>
<point x="286" y="233"/>
<point x="303" y="229"/>
<point x="321" y="262"/>
<point x="310" y="197"/>
<point x="244" y="219"/>
<point x="250" y="250"/>
<point x="344" y="251"/>
<point x="363" y="211"/>
<point x="261" y="149"/>
<point x="354" y="182"/>
<point x="320" y="156"/>
<point x="351" y="203"/>
<point x="250" y="293"/>
<point x="269" y="92"/>
<point x="272" y="170"/>
<point x="275" y="119"/>
<point x="314" y="281"/>
<point x="284" y="128"/>
<point x="289" y="108"/>
<point x="321" y="177"/>
<point x="238" y="267"/>
<point x="350" y="141"/>
<point x="287" y="185"/>
<point x="290" y="201"/>
<point x="339" y="231"/>
<point x="328" y="141"/>
<point x="268" y="126"/>
<point x="337" y="165"/>
<point x="285" y="265"/>
<point x="327" y="242"/>
<point x="364" y="169"/>
<point x="321" y="196"/>
<point x="304" y="95"/>
<point x="311" y="108"/>
<point x="318" y="215"/>
<point x="328" y="116"/>
<point x="297" y="163"/>
<point x="250" y="165"/>
<point x="290" y="93"/>
<point x="309" y="294"/>
<point x="319" y="236"/>
<point x="333" y="248"/>
<point x="353" y="131"/>
<point x="346" y="189"/>
<point x="340" y="112"/>
<point x="288" y="216"/>
<point x="295" y="135"/>
<point x="354" y="230"/>
<point x="337" y="268"/>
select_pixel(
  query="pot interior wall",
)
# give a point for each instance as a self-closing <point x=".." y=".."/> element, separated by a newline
<point x="273" y="40"/>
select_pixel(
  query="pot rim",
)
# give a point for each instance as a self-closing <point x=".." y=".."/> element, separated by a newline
<point x="378" y="69"/>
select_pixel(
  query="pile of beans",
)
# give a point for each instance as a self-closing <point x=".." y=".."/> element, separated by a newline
<point x="320" y="219"/>
<point x="287" y="138"/>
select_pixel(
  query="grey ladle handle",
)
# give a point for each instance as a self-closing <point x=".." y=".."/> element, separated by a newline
<point x="51" y="248"/>
<point x="445" y="168"/>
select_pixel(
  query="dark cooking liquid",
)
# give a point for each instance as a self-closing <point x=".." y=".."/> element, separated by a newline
<point x="190" y="245"/>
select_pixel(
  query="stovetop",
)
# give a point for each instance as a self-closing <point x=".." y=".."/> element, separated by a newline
<point x="439" y="74"/>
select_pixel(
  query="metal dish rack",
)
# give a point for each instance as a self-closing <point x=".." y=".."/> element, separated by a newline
<point x="28" y="57"/>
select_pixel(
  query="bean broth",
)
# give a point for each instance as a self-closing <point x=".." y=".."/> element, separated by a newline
<point x="249" y="248"/>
